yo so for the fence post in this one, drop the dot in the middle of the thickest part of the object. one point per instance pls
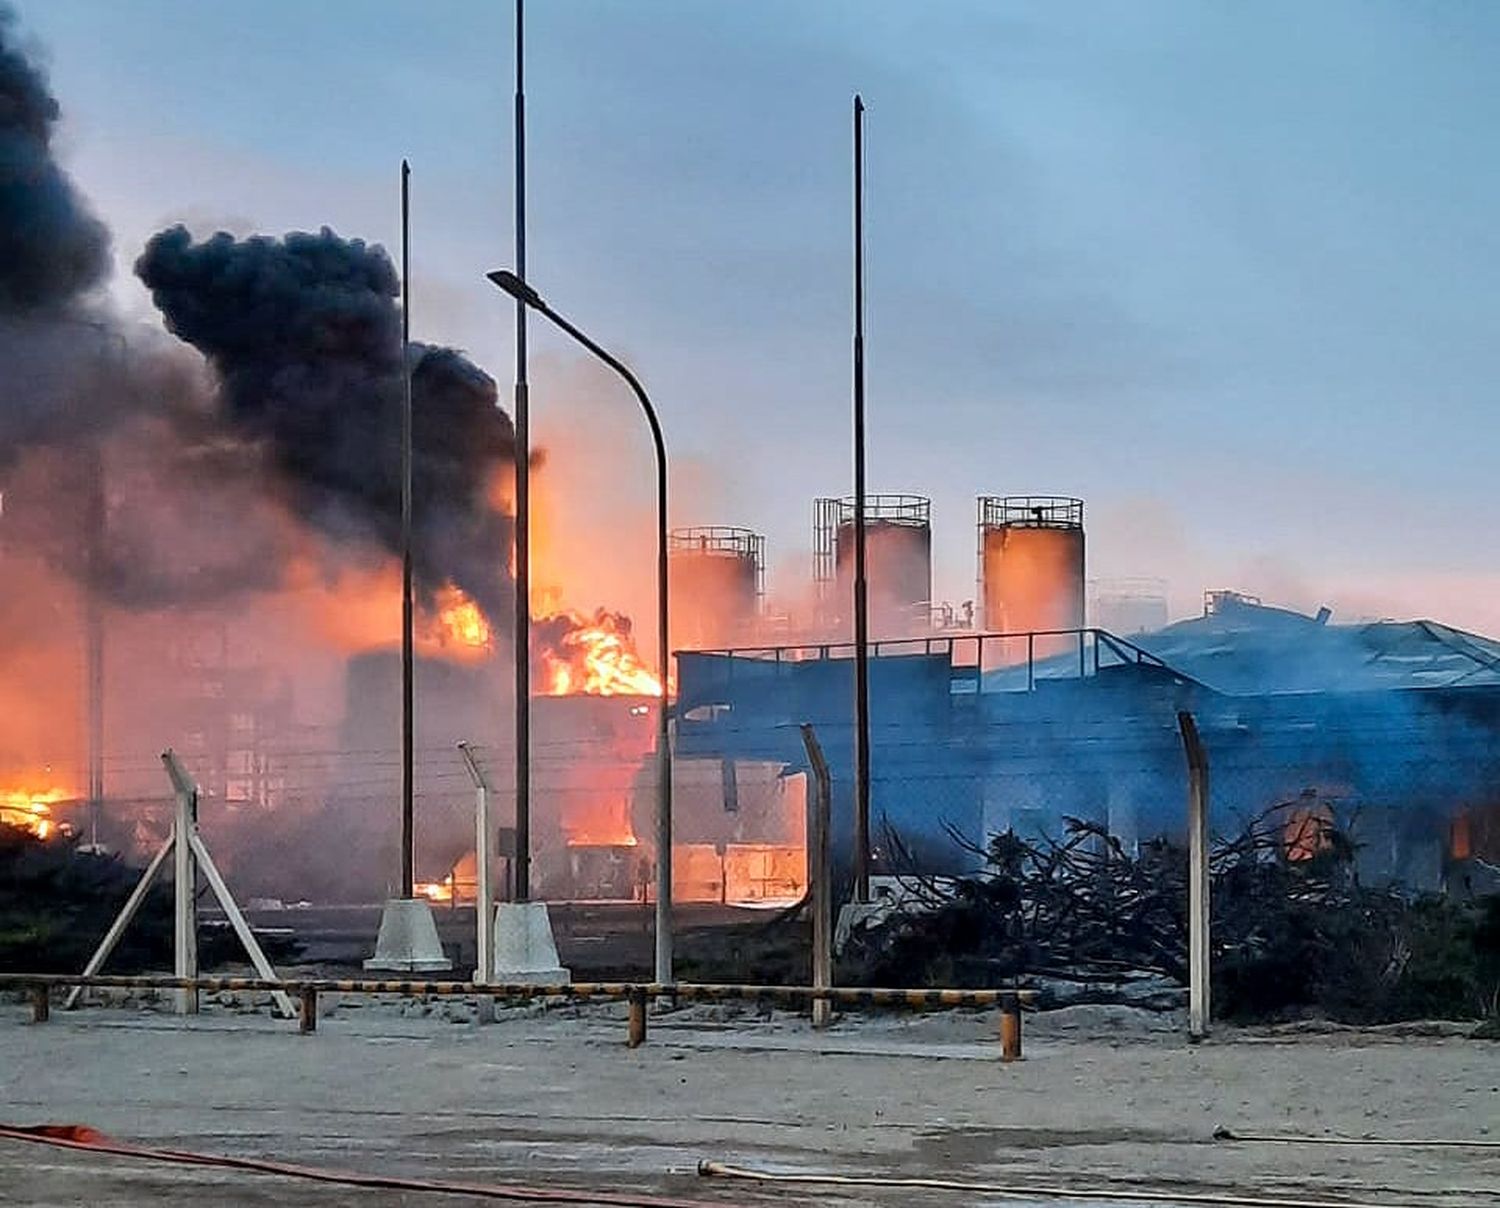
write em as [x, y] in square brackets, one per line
[41, 1004]
[819, 876]
[484, 893]
[185, 886]
[1200, 1009]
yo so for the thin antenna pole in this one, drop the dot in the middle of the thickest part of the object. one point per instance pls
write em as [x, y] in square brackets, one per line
[861, 587]
[523, 503]
[408, 873]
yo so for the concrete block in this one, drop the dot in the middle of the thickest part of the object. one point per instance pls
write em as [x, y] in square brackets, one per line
[408, 940]
[524, 948]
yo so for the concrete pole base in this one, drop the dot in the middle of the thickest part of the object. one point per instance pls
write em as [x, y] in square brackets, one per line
[408, 940]
[525, 950]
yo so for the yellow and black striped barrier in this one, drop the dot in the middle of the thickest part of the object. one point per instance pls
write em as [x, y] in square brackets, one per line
[636, 994]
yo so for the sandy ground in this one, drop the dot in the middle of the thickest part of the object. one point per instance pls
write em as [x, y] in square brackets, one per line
[553, 1097]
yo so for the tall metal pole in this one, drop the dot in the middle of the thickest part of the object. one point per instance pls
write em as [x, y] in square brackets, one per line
[663, 730]
[408, 864]
[94, 640]
[522, 292]
[861, 588]
[523, 506]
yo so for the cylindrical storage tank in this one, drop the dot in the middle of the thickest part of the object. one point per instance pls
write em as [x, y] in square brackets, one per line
[716, 576]
[1031, 565]
[1129, 606]
[898, 562]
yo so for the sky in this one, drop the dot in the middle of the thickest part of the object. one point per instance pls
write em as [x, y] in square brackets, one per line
[1224, 271]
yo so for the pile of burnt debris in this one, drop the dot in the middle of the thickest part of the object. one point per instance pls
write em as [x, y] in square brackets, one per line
[1083, 919]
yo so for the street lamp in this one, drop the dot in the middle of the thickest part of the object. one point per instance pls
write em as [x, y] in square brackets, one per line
[524, 294]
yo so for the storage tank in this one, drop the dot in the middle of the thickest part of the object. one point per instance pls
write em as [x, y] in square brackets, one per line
[898, 552]
[1129, 606]
[1031, 565]
[717, 578]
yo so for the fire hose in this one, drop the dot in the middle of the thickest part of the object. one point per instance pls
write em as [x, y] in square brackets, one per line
[1034, 1191]
[82, 1137]
[1228, 1134]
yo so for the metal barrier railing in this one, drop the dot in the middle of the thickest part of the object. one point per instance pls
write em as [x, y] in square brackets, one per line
[636, 994]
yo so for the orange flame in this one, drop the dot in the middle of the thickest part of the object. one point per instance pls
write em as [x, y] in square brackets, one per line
[594, 656]
[435, 891]
[31, 810]
[460, 626]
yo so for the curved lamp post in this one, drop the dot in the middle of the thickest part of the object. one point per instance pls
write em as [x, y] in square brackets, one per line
[524, 294]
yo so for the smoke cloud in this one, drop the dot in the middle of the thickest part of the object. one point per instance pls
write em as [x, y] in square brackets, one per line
[52, 249]
[304, 333]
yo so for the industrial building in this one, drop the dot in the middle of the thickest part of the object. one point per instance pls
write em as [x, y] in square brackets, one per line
[1392, 728]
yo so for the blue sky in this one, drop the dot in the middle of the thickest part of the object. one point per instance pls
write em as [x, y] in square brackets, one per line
[1226, 271]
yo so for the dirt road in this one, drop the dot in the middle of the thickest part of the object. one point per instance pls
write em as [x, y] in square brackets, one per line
[555, 1099]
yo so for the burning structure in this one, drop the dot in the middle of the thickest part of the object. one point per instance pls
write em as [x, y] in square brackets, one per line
[126, 456]
[1395, 727]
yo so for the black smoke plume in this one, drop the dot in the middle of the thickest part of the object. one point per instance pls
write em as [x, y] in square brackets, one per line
[53, 251]
[305, 335]
[51, 248]
[84, 411]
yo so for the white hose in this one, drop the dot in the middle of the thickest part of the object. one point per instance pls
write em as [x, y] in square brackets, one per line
[1227, 1134]
[1139, 1195]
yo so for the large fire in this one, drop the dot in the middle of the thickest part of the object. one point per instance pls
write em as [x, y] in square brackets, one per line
[31, 810]
[574, 654]
[594, 656]
[460, 624]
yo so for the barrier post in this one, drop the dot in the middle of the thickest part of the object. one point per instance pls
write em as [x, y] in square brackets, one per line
[637, 1033]
[41, 1004]
[307, 1020]
[1010, 1030]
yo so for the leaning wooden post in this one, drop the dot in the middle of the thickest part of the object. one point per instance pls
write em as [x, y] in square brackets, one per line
[1200, 1010]
[637, 1033]
[820, 876]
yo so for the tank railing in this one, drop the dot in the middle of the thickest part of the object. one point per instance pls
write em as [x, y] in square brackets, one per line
[716, 539]
[1048, 653]
[1030, 511]
[886, 509]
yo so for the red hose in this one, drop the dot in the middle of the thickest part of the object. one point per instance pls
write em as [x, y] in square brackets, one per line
[82, 1137]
